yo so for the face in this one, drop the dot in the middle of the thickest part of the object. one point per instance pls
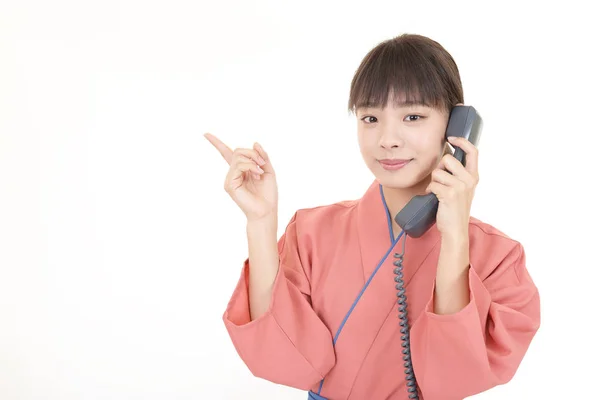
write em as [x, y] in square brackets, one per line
[402, 146]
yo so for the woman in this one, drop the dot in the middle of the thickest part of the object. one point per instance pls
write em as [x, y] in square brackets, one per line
[318, 309]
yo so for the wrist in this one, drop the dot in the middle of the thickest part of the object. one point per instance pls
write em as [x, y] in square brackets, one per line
[267, 223]
[456, 238]
[454, 254]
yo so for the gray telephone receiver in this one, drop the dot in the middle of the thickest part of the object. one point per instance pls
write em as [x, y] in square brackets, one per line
[420, 213]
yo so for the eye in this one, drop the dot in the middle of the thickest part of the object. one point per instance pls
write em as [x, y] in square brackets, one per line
[368, 116]
[412, 118]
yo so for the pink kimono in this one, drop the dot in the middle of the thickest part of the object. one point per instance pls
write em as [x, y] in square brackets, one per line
[332, 327]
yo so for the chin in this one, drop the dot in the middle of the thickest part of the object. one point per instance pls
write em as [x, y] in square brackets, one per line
[395, 182]
[398, 179]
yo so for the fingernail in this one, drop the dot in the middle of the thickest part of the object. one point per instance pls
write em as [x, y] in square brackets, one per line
[259, 169]
[261, 160]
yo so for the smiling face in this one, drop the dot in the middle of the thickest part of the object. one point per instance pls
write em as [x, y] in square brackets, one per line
[407, 67]
[401, 143]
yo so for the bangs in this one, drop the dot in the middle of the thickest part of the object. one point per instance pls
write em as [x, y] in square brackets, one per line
[405, 73]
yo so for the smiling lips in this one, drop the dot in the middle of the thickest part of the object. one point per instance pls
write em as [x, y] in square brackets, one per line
[393, 164]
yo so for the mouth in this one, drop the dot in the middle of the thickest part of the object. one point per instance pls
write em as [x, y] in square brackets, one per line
[393, 164]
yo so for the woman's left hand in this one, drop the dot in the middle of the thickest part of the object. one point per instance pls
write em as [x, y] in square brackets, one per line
[455, 189]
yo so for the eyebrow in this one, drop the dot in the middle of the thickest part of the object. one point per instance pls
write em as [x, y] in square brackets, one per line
[404, 104]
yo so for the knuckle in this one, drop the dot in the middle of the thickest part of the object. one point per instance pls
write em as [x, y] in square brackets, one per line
[239, 151]
[241, 159]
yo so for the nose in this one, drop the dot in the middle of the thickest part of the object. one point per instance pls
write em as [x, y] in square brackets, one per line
[391, 137]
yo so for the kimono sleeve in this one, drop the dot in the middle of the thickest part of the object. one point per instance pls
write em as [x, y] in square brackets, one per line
[481, 346]
[288, 344]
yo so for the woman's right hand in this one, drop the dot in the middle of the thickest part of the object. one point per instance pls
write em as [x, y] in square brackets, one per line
[250, 180]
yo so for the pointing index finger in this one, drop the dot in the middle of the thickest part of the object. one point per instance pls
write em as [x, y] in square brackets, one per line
[225, 151]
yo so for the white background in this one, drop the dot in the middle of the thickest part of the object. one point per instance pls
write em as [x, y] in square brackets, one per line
[119, 248]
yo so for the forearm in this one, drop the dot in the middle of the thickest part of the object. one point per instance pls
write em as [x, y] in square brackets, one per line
[269, 317]
[452, 278]
[264, 263]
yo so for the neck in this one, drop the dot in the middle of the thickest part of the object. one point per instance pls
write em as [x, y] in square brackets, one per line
[396, 199]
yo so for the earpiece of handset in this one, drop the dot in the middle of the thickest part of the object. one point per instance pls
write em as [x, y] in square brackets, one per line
[418, 215]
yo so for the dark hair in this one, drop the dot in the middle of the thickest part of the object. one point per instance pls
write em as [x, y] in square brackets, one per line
[414, 68]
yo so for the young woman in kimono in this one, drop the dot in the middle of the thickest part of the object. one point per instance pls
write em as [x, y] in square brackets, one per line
[317, 309]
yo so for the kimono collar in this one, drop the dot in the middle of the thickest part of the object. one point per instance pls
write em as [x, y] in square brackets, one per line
[376, 237]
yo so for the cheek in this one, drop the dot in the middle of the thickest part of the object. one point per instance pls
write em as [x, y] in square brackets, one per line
[429, 150]
[430, 142]
[427, 146]
[366, 143]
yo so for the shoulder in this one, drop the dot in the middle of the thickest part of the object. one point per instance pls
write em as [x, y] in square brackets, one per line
[490, 248]
[324, 220]
[326, 213]
[484, 234]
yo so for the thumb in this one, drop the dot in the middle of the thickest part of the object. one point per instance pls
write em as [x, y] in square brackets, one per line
[268, 167]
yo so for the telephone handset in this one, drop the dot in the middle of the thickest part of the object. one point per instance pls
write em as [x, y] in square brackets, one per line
[420, 213]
